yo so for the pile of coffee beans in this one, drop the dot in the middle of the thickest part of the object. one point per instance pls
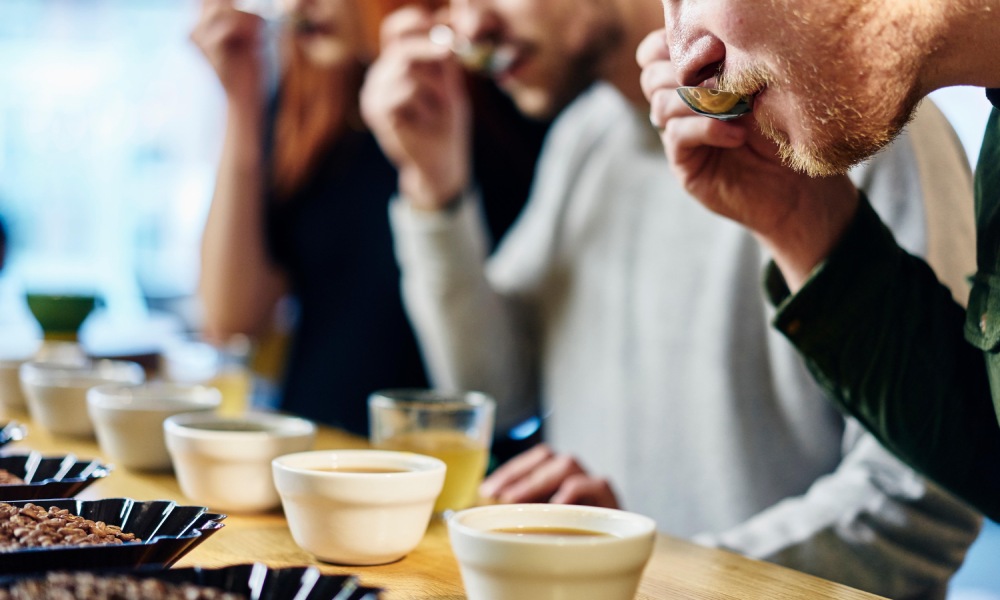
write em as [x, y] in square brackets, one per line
[31, 526]
[91, 586]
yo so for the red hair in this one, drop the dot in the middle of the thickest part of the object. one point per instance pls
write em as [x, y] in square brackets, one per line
[309, 120]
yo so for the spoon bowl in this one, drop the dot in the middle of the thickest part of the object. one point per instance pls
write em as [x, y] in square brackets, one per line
[479, 57]
[717, 104]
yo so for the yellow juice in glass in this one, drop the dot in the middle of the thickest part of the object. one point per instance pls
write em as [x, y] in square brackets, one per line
[234, 385]
[465, 458]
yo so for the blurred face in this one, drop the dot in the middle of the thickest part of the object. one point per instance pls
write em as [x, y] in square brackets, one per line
[834, 81]
[558, 46]
[328, 32]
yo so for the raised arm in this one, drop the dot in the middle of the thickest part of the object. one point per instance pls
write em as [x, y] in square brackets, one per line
[877, 329]
[239, 284]
[414, 100]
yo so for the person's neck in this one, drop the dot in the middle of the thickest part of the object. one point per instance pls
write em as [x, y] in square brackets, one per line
[966, 44]
[620, 69]
[339, 90]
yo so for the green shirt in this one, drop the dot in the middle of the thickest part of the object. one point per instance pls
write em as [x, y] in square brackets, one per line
[894, 350]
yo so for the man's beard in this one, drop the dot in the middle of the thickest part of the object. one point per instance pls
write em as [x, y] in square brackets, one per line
[575, 75]
[842, 139]
[839, 135]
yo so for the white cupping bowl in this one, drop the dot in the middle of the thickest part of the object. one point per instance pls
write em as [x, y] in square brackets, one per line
[358, 518]
[11, 397]
[128, 419]
[224, 462]
[56, 393]
[504, 566]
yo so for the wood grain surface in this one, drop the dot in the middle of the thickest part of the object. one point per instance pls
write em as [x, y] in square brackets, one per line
[678, 569]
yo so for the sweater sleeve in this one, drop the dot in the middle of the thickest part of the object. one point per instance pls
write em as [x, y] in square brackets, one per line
[873, 524]
[468, 332]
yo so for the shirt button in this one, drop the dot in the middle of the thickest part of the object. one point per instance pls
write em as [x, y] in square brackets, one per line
[983, 322]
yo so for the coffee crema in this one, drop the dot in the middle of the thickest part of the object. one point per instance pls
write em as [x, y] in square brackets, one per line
[551, 531]
[373, 470]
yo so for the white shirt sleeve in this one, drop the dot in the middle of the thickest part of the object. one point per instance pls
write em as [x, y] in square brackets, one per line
[469, 334]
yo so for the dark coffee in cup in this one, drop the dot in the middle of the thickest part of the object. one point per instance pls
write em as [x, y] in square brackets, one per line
[243, 426]
[374, 470]
[553, 531]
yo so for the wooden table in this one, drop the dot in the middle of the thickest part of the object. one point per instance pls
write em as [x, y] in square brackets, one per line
[678, 569]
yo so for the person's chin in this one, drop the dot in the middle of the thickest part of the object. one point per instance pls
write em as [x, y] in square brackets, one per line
[532, 101]
[324, 53]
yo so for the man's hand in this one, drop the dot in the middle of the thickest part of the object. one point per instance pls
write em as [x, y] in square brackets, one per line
[415, 101]
[540, 475]
[731, 168]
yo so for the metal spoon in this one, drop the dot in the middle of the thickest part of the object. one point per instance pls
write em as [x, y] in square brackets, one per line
[717, 104]
[480, 57]
[269, 10]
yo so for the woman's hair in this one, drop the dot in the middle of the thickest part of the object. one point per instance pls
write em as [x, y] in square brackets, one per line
[308, 120]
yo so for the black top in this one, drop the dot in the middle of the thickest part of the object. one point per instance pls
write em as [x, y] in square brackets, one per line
[993, 94]
[334, 241]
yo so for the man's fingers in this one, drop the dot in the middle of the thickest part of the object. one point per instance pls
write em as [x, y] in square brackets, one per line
[658, 76]
[652, 48]
[684, 136]
[407, 22]
[514, 469]
[583, 489]
[541, 483]
[411, 69]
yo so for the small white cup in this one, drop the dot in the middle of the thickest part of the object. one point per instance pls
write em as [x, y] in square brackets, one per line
[225, 462]
[358, 518]
[11, 397]
[128, 419]
[497, 565]
[56, 393]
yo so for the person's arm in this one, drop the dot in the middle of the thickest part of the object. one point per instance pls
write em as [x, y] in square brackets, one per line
[873, 524]
[415, 102]
[239, 284]
[471, 335]
[885, 339]
[877, 329]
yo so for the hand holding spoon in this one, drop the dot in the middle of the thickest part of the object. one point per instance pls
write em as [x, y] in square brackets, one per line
[717, 104]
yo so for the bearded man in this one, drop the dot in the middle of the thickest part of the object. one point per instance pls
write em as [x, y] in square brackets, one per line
[833, 83]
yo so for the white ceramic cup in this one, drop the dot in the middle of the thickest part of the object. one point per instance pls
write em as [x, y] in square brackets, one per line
[56, 393]
[506, 566]
[358, 518]
[11, 397]
[224, 462]
[128, 419]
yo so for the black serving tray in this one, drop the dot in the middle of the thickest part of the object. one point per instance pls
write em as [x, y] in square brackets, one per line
[168, 532]
[12, 432]
[49, 476]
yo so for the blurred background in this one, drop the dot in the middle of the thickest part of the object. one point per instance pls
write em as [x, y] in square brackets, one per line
[110, 128]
